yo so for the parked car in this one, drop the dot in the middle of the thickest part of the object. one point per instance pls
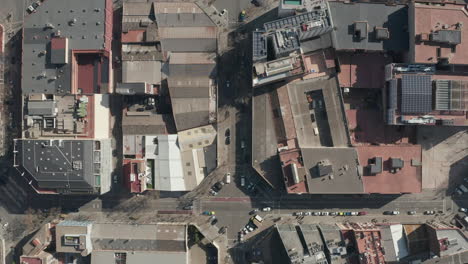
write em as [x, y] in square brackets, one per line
[333, 213]
[325, 213]
[30, 9]
[218, 186]
[429, 212]
[354, 213]
[341, 213]
[266, 209]
[316, 213]
[391, 213]
[227, 133]
[308, 213]
[222, 230]
[347, 213]
[411, 212]
[228, 140]
[188, 207]
[253, 211]
[362, 213]
[242, 181]
[464, 210]
[298, 213]
[212, 192]
[214, 221]
[227, 178]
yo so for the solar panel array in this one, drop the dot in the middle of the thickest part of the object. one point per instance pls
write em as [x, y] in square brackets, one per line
[293, 21]
[259, 45]
[416, 94]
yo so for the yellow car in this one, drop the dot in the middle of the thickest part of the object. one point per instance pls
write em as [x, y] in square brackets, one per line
[340, 213]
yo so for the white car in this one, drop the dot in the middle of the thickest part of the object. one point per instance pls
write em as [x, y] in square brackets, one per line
[308, 213]
[463, 210]
[242, 181]
[316, 213]
[354, 213]
[325, 213]
[266, 209]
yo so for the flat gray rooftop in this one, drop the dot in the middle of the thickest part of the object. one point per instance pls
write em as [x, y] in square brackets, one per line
[82, 22]
[345, 176]
[66, 164]
[302, 243]
[335, 116]
[392, 17]
[264, 148]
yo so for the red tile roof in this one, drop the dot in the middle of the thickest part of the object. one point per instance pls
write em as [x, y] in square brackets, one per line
[133, 36]
[429, 18]
[406, 180]
[31, 260]
[134, 186]
[367, 126]
[58, 43]
[362, 70]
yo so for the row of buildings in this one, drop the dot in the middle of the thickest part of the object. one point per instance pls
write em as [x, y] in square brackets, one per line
[79, 241]
[339, 87]
[165, 68]
[362, 243]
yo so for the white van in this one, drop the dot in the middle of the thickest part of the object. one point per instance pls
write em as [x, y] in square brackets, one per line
[316, 131]
[227, 179]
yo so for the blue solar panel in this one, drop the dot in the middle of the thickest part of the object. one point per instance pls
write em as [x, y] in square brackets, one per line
[416, 94]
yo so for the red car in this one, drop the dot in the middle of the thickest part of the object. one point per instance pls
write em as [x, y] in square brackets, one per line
[362, 213]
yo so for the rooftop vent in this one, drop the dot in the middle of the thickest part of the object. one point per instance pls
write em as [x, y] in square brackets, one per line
[382, 33]
[360, 30]
[396, 164]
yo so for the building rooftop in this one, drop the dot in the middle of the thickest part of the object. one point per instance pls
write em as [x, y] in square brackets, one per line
[58, 164]
[437, 33]
[138, 257]
[135, 123]
[394, 242]
[408, 179]
[83, 26]
[345, 176]
[265, 154]
[369, 26]
[64, 165]
[329, 114]
[450, 240]
[193, 102]
[141, 71]
[302, 243]
[362, 70]
[367, 241]
[184, 27]
[168, 166]
[138, 23]
[66, 116]
[334, 243]
[107, 241]
[421, 94]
